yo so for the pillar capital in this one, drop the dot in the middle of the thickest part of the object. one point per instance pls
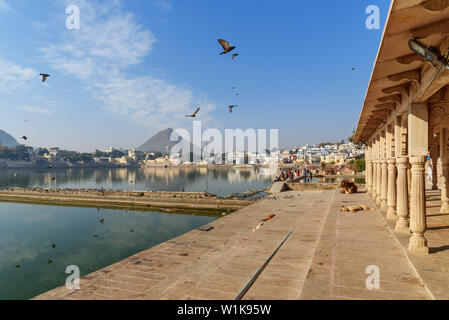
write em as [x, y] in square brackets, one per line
[402, 161]
[391, 161]
[417, 162]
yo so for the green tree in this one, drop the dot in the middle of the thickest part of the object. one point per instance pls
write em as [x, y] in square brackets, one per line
[360, 165]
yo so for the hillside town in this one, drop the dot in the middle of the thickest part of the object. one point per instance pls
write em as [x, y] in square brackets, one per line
[313, 155]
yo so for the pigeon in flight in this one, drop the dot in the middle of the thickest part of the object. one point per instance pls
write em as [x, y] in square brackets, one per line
[44, 76]
[194, 114]
[226, 46]
[24, 138]
[234, 55]
[231, 107]
[352, 68]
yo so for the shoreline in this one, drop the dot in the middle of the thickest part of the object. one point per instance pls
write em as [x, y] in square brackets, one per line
[167, 202]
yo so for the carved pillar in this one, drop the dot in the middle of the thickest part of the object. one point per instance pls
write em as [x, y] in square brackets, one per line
[368, 175]
[379, 173]
[374, 179]
[384, 173]
[418, 149]
[445, 171]
[418, 242]
[391, 199]
[434, 174]
[402, 225]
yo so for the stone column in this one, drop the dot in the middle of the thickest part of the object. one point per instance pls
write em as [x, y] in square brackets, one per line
[418, 148]
[368, 183]
[434, 174]
[384, 186]
[445, 171]
[418, 242]
[374, 179]
[379, 172]
[402, 225]
[391, 199]
[384, 171]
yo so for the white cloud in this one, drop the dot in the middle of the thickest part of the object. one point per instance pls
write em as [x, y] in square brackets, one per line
[5, 6]
[15, 76]
[34, 109]
[100, 53]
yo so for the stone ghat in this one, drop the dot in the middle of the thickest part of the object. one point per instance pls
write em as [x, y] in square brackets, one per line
[180, 202]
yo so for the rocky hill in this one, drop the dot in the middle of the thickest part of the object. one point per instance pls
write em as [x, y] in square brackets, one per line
[6, 140]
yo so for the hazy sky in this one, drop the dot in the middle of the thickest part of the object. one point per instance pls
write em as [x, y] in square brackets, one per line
[135, 67]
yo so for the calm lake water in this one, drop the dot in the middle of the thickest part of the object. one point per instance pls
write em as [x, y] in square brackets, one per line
[29, 265]
[220, 181]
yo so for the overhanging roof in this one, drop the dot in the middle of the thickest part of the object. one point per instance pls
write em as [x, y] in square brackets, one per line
[397, 69]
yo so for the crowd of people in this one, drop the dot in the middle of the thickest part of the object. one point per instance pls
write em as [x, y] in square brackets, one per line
[290, 175]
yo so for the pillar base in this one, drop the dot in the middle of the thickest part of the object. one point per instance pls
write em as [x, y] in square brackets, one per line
[402, 229]
[444, 208]
[378, 201]
[391, 214]
[418, 244]
[383, 205]
[434, 187]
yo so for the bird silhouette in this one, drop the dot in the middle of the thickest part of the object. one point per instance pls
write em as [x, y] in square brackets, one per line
[102, 221]
[235, 55]
[194, 114]
[226, 46]
[24, 138]
[44, 76]
[352, 68]
[231, 107]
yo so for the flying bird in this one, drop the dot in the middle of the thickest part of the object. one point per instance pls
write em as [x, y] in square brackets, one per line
[194, 114]
[44, 76]
[231, 107]
[24, 138]
[352, 68]
[226, 46]
[234, 55]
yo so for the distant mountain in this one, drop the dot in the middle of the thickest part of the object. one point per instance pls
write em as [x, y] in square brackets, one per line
[6, 140]
[159, 142]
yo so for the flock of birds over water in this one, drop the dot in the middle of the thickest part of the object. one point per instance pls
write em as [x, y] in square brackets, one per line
[227, 47]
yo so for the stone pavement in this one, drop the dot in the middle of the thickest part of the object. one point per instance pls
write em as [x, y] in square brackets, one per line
[325, 258]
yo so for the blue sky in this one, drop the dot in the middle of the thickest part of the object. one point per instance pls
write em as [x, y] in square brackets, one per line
[135, 67]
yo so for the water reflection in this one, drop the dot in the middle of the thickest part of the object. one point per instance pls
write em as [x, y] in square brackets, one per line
[221, 181]
[84, 237]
